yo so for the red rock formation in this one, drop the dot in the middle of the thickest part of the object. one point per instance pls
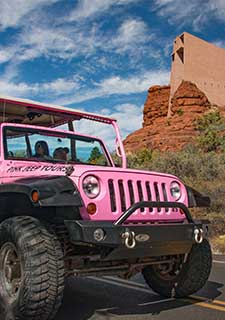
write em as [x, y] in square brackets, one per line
[190, 99]
[156, 105]
[177, 131]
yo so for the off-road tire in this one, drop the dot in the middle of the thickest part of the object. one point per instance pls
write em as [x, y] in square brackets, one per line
[191, 278]
[41, 291]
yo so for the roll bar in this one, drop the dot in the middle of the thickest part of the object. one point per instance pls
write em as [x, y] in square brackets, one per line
[24, 111]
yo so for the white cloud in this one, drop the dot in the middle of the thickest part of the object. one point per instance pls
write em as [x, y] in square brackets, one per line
[87, 8]
[220, 44]
[16, 89]
[133, 34]
[57, 42]
[133, 84]
[42, 36]
[68, 91]
[218, 6]
[65, 41]
[119, 86]
[190, 11]
[131, 30]
[129, 118]
[58, 87]
[51, 42]
[14, 11]
[5, 55]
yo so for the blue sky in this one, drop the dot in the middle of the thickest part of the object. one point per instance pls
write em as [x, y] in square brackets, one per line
[98, 55]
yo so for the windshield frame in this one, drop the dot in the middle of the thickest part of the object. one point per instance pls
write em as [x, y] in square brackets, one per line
[50, 131]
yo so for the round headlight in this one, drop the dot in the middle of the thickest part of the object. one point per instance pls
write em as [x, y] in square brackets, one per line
[91, 186]
[175, 190]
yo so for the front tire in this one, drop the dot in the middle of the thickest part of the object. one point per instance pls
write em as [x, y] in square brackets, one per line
[31, 269]
[182, 278]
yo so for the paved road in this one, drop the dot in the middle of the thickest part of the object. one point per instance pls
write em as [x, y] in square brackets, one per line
[112, 298]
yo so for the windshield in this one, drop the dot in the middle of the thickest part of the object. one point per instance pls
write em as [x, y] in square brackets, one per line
[36, 145]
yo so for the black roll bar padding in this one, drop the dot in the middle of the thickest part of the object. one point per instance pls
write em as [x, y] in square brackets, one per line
[153, 204]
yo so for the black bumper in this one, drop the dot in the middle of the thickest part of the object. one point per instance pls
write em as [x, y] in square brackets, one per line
[145, 240]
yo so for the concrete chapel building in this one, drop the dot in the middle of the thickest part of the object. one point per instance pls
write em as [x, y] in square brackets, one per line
[200, 62]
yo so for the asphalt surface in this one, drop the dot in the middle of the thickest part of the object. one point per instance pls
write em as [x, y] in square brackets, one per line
[112, 298]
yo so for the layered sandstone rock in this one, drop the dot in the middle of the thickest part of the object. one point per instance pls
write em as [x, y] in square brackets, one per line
[174, 132]
[190, 99]
[156, 105]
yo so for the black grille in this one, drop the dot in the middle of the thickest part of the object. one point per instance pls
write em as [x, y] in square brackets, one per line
[131, 191]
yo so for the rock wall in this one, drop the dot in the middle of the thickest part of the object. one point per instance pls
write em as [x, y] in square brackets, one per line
[190, 99]
[156, 105]
[177, 131]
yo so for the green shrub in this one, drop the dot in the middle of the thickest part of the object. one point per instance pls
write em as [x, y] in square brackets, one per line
[210, 126]
[210, 141]
[140, 159]
[180, 112]
[210, 119]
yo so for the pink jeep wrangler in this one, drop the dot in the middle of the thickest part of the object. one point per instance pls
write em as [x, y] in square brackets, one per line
[67, 210]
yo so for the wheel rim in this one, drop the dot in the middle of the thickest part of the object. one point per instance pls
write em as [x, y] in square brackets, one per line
[10, 271]
[169, 271]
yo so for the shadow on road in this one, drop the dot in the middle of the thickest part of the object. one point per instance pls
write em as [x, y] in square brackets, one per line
[211, 290]
[89, 299]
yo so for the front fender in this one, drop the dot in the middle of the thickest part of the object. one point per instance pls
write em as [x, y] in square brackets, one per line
[196, 199]
[57, 191]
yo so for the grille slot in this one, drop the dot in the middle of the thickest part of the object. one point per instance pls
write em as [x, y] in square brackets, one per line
[131, 192]
[165, 197]
[157, 195]
[147, 185]
[140, 193]
[149, 195]
[112, 195]
[122, 195]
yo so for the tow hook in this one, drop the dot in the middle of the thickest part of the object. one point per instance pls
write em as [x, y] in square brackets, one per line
[129, 237]
[198, 235]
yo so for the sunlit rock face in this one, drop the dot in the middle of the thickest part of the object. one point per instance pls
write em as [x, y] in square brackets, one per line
[175, 131]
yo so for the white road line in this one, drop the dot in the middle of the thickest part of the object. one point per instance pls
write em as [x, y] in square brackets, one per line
[127, 286]
[141, 288]
[219, 261]
[133, 283]
[155, 302]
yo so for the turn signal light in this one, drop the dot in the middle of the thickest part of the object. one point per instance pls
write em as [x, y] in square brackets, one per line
[91, 208]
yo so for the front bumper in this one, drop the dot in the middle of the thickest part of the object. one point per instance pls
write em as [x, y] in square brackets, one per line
[139, 240]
